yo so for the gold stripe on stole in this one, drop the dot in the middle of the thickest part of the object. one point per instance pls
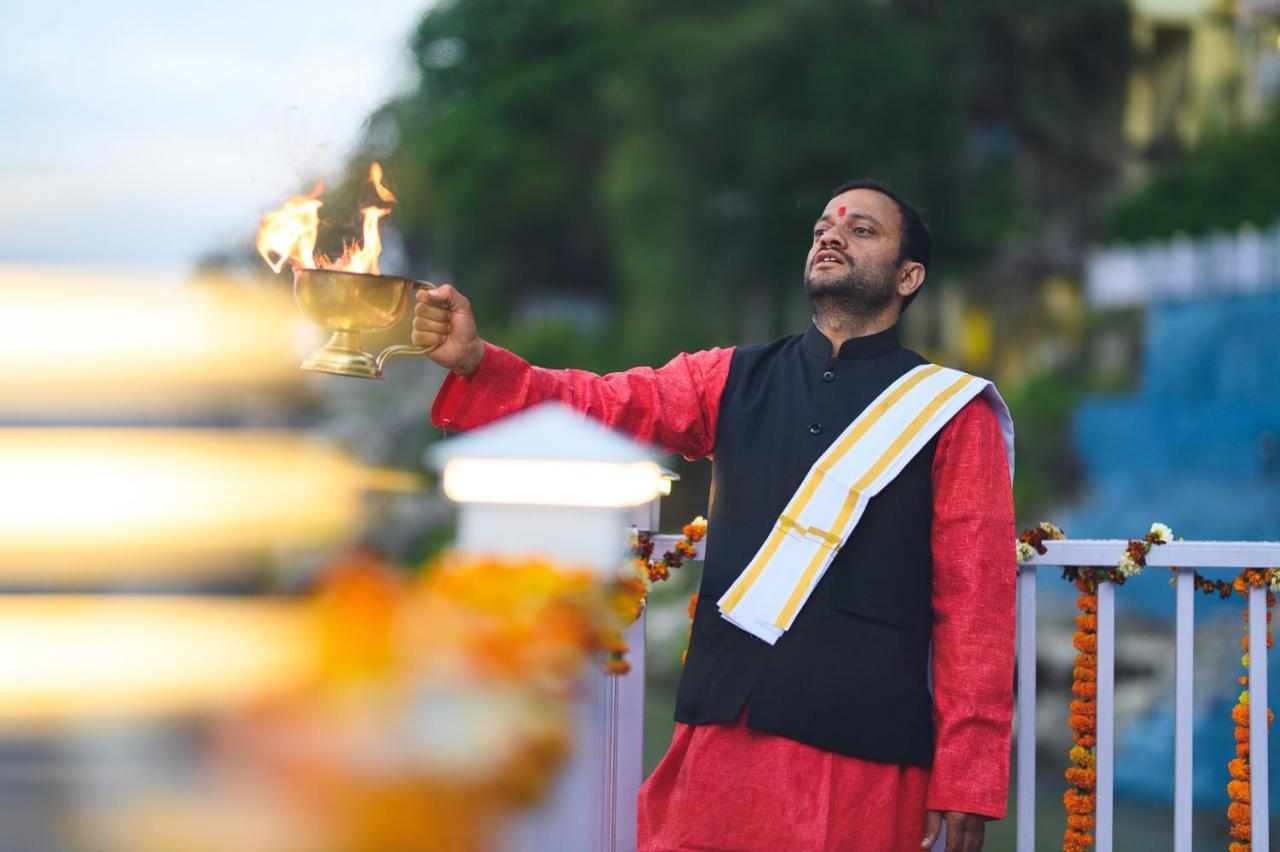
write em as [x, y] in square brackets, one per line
[810, 485]
[855, 493]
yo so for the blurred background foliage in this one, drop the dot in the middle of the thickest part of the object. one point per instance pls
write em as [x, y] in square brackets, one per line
[1229, 180]
[651, 159]
[611, 183]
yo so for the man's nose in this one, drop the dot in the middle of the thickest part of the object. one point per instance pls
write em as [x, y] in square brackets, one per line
[830, 239]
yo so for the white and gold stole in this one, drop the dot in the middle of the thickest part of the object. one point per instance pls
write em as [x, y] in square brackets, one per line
[819, 518]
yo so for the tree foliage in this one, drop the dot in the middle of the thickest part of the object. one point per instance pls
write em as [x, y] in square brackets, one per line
[669, 158]
[1229, 180]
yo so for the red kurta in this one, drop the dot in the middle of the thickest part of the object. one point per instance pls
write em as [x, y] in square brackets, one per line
[727, 787]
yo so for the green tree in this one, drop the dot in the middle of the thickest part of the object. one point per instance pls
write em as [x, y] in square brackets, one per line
[669, 158]
[1229, 180]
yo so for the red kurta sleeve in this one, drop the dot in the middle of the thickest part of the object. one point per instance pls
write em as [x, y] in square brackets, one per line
[674, 407]
[974, 574]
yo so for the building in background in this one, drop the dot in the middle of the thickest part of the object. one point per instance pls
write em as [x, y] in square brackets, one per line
[1197, 64]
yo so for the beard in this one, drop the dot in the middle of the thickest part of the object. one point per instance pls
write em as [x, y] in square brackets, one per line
[855, 290]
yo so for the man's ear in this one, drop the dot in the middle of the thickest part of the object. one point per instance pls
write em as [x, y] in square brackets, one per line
[910, 278]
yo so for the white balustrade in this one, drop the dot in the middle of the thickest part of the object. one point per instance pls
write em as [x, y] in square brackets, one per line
[1186, 555]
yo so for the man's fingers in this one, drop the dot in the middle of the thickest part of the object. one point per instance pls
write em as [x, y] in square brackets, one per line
[964, 832]
[932, 825]
[427, 310]
[444, 296]
[426, 338]
[426, 324]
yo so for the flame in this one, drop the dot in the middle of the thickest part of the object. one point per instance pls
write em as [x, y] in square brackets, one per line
[375, 177]
[288, 234]
[364, 257]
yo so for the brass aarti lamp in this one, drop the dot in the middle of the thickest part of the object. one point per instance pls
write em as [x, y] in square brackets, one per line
[349, 304]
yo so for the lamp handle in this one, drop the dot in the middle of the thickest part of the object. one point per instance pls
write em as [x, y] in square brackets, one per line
[403, 348]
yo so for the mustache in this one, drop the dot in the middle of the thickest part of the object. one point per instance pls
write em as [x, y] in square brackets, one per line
[848, 261]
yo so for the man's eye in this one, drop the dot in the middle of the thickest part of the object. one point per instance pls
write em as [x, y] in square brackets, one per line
[862, 230]
[817, 232]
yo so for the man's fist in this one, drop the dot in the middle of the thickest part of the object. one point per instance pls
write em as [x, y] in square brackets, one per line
[442, 319]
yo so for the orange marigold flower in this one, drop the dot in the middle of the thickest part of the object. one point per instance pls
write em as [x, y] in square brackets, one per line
[1086, 740]
[1087, 603]
[1085, 689]
[1084, 673]
[1238, 790]
[1239, 768]
[1238, 847]
[1238, 812]
[1240, 715]
[1086, 642]
[1087, 622]
[1082, 778]
[1242, 749]
[1084, 708]
[1080, 821]
[1241, 832]
[1081, 724]
[1242, 734]
[1076, 840]
[1077, 802]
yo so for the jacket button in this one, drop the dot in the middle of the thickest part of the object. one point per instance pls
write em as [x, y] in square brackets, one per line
[815, 428]
[828, 376]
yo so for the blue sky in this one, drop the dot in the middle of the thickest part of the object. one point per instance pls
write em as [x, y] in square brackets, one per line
[142, 134]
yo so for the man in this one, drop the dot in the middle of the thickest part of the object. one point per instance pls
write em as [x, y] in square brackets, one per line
[883, 709]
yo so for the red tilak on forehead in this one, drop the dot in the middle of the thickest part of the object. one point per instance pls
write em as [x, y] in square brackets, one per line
[840, 212]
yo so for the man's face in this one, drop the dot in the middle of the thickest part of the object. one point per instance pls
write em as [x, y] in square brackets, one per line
[853, 260]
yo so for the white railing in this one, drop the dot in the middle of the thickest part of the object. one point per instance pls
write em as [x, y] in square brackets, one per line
[1187, 556]
[1183, 267]
[626, 700]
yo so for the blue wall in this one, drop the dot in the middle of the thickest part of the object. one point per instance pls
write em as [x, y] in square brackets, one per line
[1196, 447]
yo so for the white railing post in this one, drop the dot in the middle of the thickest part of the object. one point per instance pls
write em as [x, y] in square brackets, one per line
[1258, 792]
[1026, 710]
[628, 741]
[1184, 644]
[1105, 713]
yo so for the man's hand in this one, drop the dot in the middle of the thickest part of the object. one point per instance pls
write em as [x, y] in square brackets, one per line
[964, 831]
[442, 319]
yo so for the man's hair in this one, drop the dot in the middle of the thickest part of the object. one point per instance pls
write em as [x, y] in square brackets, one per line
[917, 240]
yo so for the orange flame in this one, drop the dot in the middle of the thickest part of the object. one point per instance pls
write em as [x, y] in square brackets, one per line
[375, 177]
[288, 234]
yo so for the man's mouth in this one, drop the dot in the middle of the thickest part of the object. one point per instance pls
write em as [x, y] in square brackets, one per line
[827, 258]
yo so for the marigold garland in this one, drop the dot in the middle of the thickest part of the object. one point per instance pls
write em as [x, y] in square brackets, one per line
[1079, 799]
[630, 594]
[1238, 787]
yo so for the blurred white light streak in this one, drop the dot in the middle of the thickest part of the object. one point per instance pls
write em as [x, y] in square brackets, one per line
[80, 504]
[78, 657]
[84, 341]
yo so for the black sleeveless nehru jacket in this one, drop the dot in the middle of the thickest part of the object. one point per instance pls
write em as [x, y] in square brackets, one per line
[851, 675]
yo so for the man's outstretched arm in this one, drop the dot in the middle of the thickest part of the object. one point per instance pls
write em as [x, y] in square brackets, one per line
[974, 570]
[674, 407]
